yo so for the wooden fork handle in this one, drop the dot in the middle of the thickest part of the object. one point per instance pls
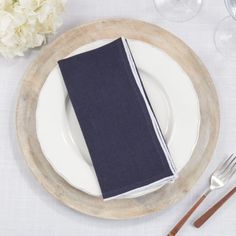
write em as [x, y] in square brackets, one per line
[201, 220]
[179, 225]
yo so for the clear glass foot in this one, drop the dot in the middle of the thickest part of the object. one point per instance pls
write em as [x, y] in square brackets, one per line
[225, 37]
[178, 10]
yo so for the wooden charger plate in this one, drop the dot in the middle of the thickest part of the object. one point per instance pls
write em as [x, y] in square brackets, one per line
[124, 208]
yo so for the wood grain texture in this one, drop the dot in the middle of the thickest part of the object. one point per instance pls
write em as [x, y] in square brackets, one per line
[109, 29]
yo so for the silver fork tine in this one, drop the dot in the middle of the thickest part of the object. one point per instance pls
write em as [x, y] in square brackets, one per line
[231, 160]
[230, 173]
[219, 178]
[228, 167]
[224, 164]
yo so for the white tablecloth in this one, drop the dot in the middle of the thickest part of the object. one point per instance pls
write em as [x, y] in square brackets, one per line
[27, 209]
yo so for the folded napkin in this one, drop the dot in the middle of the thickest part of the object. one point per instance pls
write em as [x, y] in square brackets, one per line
[125, 142]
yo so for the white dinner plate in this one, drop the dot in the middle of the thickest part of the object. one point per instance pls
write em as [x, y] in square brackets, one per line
[172, 97]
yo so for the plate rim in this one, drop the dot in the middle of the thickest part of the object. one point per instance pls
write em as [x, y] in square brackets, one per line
[125, 208]
[43, 108]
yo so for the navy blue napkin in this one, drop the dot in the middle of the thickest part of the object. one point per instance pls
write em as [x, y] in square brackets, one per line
[123, 137]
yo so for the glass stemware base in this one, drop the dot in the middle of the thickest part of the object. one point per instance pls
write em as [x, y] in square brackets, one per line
[178, 10]
[225, 37]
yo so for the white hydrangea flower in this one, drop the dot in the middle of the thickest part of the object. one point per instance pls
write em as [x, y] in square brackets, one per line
[24, 24]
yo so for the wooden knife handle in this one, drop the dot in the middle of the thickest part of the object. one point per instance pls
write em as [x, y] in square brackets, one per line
[201, 220]
[179, 225]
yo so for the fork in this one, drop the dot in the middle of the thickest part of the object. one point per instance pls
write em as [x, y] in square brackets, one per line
[219, 178]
